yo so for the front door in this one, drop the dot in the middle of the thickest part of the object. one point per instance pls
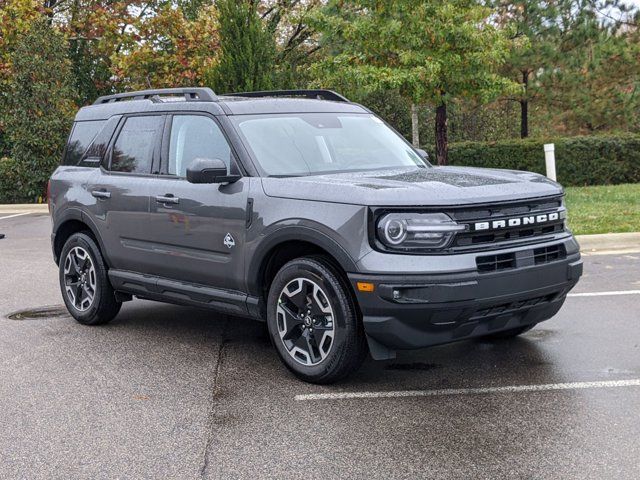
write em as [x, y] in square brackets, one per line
[198, 230]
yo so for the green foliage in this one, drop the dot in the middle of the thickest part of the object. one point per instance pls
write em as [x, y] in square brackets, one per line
[430, 52]
[423, 49]
[248, 49]
[578, 62]
[594, 160]
[39, 109]
[14, 182]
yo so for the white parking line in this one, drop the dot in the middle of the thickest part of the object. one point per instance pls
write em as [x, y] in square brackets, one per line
[604, 294]
[469, 391]
[15, 215]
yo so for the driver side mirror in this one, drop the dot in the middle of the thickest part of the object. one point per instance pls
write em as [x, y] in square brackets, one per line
[423, 153]
[209, 170]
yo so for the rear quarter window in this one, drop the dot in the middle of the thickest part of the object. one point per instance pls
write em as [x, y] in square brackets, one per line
[82, 135]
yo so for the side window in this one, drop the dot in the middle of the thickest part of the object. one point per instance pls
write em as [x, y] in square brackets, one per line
[136, 142]
[195, 136]
[81, 137]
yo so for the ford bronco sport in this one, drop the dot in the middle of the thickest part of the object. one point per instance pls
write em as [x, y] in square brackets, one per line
[305, 210]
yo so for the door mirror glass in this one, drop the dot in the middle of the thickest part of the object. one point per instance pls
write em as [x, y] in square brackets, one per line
[209, 170]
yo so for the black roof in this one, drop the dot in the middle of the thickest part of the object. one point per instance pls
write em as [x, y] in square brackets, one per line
[205, 100]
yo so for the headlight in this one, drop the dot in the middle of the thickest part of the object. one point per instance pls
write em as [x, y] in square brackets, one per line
[414, 231]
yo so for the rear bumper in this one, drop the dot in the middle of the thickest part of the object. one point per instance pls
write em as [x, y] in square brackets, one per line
[414, 311]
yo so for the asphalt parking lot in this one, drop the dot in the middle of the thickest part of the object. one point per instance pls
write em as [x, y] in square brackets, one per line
[173, 392]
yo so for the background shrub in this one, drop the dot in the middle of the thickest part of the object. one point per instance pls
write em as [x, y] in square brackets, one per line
[594, 160]
[37, 113]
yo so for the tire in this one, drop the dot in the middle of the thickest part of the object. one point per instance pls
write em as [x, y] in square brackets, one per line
[511, 333]
[84, 283]
[313, 321]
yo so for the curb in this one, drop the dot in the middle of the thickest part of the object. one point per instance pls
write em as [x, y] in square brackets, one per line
[25, 208]
[604, 243]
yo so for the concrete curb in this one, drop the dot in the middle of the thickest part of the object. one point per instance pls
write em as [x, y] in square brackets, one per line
[604, 243]
[25, 208]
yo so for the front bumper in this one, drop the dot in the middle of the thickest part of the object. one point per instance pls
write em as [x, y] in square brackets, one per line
[414, 311]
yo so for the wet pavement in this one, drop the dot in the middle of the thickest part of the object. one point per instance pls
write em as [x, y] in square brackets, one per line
[173, 392]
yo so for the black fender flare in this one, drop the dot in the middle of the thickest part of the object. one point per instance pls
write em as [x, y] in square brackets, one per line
[294, 233]
[77, 214]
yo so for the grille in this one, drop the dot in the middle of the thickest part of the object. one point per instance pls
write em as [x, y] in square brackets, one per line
[513, 306]
[470, 239]
[493, 263]
[549, 254]
[505, 261]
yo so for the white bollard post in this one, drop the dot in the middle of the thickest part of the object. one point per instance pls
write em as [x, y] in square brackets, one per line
[550, 160]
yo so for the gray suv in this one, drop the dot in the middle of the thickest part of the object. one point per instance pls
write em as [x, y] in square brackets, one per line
[307, 211]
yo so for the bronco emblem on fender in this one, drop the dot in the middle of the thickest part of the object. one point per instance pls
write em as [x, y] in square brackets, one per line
[229, 241]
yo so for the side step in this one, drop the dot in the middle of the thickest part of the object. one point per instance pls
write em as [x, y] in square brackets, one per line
[182, 293]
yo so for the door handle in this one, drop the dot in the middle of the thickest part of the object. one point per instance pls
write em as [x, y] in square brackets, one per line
[167, 199]
[101, 193]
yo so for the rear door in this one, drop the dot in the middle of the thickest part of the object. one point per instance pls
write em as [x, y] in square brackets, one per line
[198, 230]
[120, 189]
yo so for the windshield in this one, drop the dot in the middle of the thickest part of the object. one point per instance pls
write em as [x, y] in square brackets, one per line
[311, 143]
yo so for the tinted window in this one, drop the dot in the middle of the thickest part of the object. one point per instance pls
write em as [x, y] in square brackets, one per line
[81, 137]
[195, 136]
[133, 149]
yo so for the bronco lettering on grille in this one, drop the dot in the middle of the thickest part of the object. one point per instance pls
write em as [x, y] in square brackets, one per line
[517, 221]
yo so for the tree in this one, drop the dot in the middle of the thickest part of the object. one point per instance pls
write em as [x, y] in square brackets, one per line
[247, 47]
[594, 84]
[575, 58]
[296, 45]
[40, 104]
[16, 17]
[431, 52]
[168, 50]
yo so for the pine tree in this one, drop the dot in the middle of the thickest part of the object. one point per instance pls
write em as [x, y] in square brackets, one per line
[248, 49]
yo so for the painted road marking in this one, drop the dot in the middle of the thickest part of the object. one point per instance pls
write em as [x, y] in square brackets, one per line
[470, 391]
[604, 294]
[15, 215]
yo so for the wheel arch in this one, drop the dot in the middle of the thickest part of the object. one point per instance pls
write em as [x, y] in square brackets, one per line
[285, 245]
[74, 221]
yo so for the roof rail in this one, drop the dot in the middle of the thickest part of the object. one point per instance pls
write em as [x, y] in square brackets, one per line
[190, 94]
[316, 94]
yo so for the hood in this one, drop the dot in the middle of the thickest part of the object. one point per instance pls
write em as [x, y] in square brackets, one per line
[414, 187]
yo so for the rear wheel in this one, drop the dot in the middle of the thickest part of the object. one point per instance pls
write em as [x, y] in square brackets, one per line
[84, 283]
[507, 334]
[313, 322]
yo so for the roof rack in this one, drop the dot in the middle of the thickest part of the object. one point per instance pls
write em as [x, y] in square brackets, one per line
[319, 94]
[190, 95]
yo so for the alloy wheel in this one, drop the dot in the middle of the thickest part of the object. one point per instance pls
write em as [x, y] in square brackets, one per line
[305, 321]
[79, 279]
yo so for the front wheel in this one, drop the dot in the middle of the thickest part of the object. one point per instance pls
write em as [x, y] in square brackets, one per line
[85, 285]
[313, 322]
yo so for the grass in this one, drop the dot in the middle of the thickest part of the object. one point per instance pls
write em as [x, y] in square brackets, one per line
[604, 209]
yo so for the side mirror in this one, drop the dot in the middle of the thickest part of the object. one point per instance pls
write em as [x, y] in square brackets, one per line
[422, 153]
[209, 170]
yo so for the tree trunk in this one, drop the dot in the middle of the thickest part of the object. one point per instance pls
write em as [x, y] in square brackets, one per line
[442, 145]
[415, 128]
[524, 106]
